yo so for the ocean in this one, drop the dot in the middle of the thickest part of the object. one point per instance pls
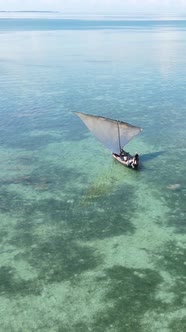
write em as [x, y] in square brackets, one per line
[87, 244]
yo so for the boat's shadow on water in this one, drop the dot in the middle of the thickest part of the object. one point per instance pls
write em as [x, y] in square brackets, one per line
[149, 156]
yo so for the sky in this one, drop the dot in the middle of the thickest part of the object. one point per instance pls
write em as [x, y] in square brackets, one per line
[134, 7]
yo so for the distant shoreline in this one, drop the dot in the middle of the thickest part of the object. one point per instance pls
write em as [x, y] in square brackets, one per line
[29, 11]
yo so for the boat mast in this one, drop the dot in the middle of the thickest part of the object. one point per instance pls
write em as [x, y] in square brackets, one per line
[119, 136]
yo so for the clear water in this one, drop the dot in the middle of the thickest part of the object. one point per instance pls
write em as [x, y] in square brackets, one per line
[85, 243]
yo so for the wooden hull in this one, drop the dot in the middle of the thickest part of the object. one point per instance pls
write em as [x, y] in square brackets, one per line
[128, 163]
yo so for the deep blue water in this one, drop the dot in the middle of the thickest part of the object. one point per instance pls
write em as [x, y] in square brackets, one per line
[32, 24]
[85, 243]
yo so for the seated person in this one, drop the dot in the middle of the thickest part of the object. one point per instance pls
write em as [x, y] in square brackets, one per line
[124, 154]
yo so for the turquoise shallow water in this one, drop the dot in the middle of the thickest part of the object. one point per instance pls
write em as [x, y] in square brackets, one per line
[86, 244]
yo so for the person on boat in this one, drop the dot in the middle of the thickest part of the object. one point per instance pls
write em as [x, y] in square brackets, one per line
[124, 155]
[136, 157]
[122, 152]
[135, 161]
[130, 162]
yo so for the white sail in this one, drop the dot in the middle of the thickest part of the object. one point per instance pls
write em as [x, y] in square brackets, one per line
[112, 134]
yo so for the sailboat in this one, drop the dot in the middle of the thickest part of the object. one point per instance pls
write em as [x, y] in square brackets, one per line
[114, 135]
